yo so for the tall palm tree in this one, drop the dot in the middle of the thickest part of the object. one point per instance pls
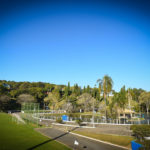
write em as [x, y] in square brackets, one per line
[106, 85]
[107, 88]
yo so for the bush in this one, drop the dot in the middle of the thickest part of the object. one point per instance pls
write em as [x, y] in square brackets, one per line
[59, 120]
[141, 131]
[79, 122]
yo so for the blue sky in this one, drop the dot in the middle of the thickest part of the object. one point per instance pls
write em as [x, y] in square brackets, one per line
[76, 41]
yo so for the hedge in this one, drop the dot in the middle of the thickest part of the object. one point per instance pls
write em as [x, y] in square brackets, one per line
[141, 131]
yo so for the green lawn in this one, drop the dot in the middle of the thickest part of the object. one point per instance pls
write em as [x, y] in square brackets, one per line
[15, 136]
[115, 139]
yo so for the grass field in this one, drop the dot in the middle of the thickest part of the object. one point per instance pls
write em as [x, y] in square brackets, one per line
[115, 139]
[15, 136]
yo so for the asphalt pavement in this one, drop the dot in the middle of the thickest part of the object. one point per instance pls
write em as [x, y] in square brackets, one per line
[82, 143]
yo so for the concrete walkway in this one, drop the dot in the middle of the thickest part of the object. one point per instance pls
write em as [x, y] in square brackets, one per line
[69, 139]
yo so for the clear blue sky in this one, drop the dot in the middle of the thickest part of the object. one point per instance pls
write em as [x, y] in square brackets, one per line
[76, 41]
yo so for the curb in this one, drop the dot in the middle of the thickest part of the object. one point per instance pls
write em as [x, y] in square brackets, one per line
[68, 125]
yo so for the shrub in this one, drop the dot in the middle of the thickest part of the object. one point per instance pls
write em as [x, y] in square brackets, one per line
[59, 120]
[79, 122]
[141, 131]
[70, 115]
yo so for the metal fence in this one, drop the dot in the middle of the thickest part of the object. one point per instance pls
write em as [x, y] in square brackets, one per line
[89, 119]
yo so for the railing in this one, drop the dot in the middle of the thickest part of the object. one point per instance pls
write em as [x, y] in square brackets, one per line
[97, 120]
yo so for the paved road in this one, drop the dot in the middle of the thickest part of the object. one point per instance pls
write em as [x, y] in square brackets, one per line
[68, 139]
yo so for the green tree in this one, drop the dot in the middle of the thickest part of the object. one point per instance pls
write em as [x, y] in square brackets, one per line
[13, 94]
[25, 98]
[145, 99]
[52, 99]
[84, 90]
[122, 97]
[76, 90]
[136, 93]
[86, 102]
[4, 102]
[119, 100]
[3, 89]
[95, 93]
[135, 96]
[67, 90]
[106, 85]
[115, 104]
[88, 89]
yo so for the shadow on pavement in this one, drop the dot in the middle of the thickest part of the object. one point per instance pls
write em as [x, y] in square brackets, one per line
[52, 139]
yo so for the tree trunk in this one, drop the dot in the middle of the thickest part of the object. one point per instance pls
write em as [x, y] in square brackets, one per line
[140, 111]
[105, 108]
[147, 114]
[124, 117]
[147, 110]
[118, 116]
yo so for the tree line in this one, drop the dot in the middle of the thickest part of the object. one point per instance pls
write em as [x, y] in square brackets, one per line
[101, 97]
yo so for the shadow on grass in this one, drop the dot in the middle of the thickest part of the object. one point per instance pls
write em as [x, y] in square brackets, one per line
[52, 139]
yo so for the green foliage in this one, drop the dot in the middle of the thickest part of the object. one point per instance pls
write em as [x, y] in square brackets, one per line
[77, 90]
[136, 93]
[107, 84]
[4, 102]
[37, 89]
[118, 102]
[88, 89]
[95, 93]
[59, 120]
[52, 99]
[67, 90]
[141, 131]
[84, 90]
[120, 98]
[79, 122]
[145, 99]
[86, 101]
[100, 83]
[67, 94]
[14, 93]
[3, 89]
[25, 98]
